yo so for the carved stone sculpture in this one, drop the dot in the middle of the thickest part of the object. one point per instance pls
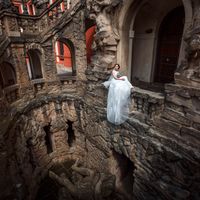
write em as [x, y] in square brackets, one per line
[86, 183]
[106, 37]
[189, 72]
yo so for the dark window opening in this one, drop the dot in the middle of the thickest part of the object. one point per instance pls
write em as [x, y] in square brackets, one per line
[35, 64]
[70, 132]
[48, 139]
[124, 172]
[29, 144]
[7, 75]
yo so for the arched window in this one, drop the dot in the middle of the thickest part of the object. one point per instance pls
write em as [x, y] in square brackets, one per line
[89, 40]
[34, 64]
[65, 57]
[7, 75]
[19, 6]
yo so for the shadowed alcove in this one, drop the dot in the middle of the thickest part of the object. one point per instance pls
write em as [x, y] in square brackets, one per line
[123, 168]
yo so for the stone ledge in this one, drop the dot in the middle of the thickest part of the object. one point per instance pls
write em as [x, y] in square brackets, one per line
[11, 88]
[66, 77]
[38, 81]
[152, 97]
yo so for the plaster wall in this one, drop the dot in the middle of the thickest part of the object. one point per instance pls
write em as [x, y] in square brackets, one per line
[139, 24]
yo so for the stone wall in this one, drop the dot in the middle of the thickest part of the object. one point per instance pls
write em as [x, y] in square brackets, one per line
[162, 142]
[25, 151]
[165, 168]
[160, 139]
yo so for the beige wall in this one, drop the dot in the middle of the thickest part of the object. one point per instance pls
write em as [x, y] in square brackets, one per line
[137, 49]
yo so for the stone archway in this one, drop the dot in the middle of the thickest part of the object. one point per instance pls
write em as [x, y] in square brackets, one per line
[129, 19]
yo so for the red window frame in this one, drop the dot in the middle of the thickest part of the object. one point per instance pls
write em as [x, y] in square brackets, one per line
[19, 6]
[63, 54]
[62, 7]
[30, 8]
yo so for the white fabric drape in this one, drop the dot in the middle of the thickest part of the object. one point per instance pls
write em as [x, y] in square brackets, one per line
[118, 98]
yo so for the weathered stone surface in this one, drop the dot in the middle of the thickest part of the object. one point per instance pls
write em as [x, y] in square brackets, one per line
[49, 121]
[176, 117]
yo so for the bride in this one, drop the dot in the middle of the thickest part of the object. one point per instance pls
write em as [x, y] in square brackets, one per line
[118, 97]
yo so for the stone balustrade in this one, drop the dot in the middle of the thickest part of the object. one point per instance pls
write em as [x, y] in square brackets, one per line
[38, 86]
[17, 25]
[68, 83]
[147, 103]
[11, 93]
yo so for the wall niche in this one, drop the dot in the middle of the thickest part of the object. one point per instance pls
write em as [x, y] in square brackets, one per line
[123, 168]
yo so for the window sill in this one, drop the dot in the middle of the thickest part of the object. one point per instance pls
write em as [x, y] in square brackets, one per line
[37, 81]
[65, 77]
[11, 88]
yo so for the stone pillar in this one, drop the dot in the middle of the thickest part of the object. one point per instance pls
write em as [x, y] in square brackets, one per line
[131, 37]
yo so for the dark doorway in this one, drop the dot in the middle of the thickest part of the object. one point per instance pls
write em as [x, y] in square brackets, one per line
[48, 140]
[70, 132]
[169, 41]
[123, 169]
[7, 75]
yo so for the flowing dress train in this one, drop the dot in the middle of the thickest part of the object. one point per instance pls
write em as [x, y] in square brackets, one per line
[118, 98]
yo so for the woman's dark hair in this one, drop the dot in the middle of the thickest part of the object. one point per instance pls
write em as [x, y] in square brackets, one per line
[116, 65]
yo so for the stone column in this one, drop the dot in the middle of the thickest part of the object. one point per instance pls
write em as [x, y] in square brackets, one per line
[131, 38]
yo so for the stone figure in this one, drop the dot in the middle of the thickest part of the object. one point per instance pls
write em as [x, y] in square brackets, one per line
[86, 184]
[106, 37]
[189, 74]
[194, 46]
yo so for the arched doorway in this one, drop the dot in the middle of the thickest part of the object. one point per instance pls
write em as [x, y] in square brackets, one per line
[7, 75]
[139, 22]
[33, 62]
[154, 25]
[169, 42]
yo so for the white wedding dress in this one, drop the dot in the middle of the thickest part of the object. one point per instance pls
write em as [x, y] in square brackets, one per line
[118, 98]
